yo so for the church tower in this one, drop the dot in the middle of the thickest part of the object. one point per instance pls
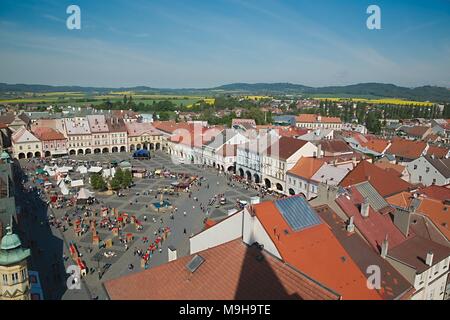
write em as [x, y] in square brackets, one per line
[14, 282]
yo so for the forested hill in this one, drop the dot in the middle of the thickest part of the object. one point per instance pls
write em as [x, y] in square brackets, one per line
[381, 90]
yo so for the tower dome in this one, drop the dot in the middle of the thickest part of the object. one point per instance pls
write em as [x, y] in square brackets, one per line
[10, 240]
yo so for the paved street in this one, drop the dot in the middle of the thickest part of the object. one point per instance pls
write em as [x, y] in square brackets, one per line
[137, 204]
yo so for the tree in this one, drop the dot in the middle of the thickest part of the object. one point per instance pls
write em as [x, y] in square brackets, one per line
[127, 179]
[115, 184]
[97, 182]
[372, 122]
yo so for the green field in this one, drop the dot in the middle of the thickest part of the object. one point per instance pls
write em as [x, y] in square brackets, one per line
[79, 98]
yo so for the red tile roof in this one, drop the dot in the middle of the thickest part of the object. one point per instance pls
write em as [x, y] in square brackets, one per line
[414, 252]
[406, 148]
[436, 192]
[438, 152]
[438, 213]
[316, 252]
[376, 144]
[285, 147]
[375, 227]
[171, 126]
[231, 271]
[394, 285]
[306, 167]
[396, 168]
[402, 199]
[384, 182]
[335, 146]
[47, 134]
[313, 118]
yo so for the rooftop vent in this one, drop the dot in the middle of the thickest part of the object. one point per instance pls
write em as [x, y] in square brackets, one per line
[195, 263]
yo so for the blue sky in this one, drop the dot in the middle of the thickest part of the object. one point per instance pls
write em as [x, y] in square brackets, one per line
[204, 43]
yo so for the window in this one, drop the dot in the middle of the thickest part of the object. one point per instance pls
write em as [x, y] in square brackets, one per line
[15, 278]
[420, 178]
[427, 170]
[415, 167]
[24, 274]
[5, 279]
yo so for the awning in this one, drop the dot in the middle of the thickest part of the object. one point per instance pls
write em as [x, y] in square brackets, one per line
[95, 169]
[77, 183]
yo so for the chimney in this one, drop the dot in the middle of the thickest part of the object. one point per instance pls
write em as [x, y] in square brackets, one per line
[384, 247]
[319, 151]
[365, 208]
[351, 226]
[172, 253]
[429, 260]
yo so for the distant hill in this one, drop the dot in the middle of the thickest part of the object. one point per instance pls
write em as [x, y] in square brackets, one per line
[265, 87]
[381, 90]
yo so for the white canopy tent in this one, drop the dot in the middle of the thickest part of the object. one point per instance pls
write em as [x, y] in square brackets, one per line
[63, 187]
[82, 169]
[84, 194]
[95, 169]
[109, 173]
[64, 169]
[77, 183]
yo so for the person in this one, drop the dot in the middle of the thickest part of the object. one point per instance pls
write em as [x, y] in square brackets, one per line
[184, 231]
[184, 213]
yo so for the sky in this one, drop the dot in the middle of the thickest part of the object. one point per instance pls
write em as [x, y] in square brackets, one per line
[207, 43]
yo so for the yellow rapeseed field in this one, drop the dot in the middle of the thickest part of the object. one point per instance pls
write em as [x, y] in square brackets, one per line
[381, 101]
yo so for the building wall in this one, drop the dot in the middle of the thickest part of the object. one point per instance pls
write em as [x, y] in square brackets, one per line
[275, 169]
[421, 171]
[21, 283]
[431, 284]
[301, 186]
[26, 147]
[225, 231]
[319, 125]
[55, 147]
[253, 231]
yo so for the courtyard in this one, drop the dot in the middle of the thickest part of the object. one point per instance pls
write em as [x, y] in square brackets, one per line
[187, 219]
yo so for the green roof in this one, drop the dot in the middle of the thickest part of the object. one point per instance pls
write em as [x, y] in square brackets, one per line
[11, 249]
[13, 256]
[10, 241]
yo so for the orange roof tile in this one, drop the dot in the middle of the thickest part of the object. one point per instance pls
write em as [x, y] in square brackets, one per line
[390, 166]
[47, 134]
[316, 252]
[306, 167]
[436, 192]
[407, 148]
[375, 144]
[231, 271]
[383, 181]
[438, 152]
[402, 199]
[438, 212]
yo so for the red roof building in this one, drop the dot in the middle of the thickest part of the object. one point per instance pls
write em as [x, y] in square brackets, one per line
[315, 251]
[386, 183]
[231, 271]
[407, 150]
